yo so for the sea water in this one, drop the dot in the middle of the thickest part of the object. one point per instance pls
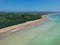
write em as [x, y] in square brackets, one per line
[47, 33]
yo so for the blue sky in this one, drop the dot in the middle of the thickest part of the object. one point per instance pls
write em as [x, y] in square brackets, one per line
[29, 5]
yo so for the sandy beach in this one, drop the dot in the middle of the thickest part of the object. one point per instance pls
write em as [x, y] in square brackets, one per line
[9, 30]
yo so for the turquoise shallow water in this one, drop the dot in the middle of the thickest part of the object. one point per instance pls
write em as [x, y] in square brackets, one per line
[47, 33]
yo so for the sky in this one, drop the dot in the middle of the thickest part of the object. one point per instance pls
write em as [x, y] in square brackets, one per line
[29, 5]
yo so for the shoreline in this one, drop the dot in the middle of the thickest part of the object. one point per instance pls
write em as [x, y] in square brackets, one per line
[9, 30]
